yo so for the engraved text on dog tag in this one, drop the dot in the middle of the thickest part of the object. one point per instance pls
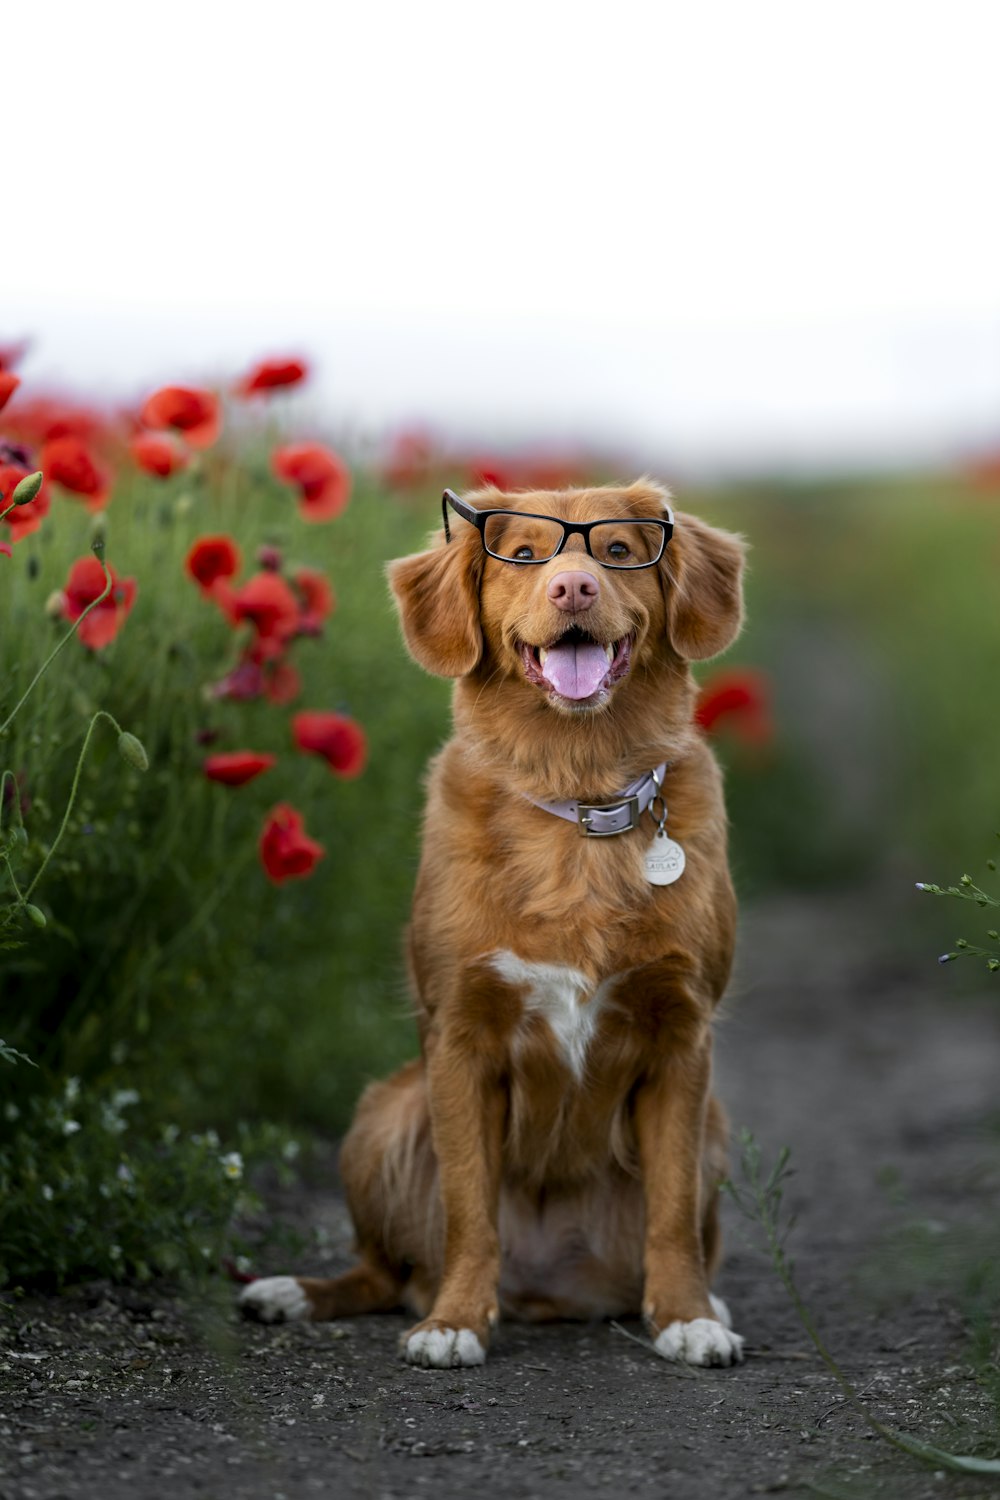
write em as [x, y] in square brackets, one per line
[664, 860]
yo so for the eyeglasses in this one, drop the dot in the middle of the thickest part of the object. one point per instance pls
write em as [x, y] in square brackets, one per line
[515, 537]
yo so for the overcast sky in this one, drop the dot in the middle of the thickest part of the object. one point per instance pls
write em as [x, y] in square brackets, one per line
[718, 232]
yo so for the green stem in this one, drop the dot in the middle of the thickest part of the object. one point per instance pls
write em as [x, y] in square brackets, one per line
[100, 714]
[13, 880]
[6, 512]
[56, 650]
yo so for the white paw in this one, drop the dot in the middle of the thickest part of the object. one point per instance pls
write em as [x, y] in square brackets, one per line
[703, 1341]
[721, 1310]
[443, 1348]
[274, 1299]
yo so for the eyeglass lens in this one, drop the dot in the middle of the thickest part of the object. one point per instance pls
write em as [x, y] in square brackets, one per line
[619, 544]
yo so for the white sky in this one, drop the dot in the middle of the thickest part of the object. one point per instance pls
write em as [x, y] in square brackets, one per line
[719, 231]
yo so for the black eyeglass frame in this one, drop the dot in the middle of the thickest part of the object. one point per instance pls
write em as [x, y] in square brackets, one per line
[478, 519]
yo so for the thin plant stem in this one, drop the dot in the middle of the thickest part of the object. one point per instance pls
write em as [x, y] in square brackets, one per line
[13, 880]
[100, 714]
[57, 648]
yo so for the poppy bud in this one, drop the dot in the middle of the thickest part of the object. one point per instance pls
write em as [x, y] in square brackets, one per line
[37, 916]
[98, 531]
[55, 605]
[28, 488]
[133, 750]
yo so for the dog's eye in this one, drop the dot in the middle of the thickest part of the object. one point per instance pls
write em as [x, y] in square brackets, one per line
[523, 554]
[618, 551]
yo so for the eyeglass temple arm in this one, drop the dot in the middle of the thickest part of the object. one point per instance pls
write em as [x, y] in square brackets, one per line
[467, 512]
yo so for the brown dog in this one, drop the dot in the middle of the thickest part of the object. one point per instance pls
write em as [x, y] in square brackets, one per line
[556, 1150]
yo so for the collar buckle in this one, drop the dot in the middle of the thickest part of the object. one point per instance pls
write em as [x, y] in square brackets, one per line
[602, 820]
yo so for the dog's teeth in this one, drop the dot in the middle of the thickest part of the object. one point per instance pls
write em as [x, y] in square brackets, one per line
[609, 652]
[542, 654]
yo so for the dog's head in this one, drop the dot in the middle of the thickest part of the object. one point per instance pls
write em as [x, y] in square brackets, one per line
[572, 631]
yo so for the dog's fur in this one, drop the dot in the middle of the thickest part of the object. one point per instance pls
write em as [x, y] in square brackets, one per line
[556, 1150]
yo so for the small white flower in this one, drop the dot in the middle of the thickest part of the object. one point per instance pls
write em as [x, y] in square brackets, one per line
[211, 1138]
[47, 1193]
[122, 1098]
[112, 1120]
[170, 1134]
[243, 1264]
[115, 1252]
[11, 1111]
[124, 1173]
[290, 1150]
[72, 1090]
[70, 1127]
[232, 1165]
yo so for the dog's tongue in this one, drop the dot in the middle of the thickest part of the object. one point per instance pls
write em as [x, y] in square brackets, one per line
[576, 671]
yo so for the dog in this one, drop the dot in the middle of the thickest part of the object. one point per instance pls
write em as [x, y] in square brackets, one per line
[556, 1150]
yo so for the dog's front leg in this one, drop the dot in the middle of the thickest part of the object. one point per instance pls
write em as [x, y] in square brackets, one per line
[467, 1118]
[670, 1112]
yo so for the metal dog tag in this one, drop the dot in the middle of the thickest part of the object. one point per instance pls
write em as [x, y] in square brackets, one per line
[664, 860]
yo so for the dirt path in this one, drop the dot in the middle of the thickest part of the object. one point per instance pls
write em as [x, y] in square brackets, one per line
[854, 1058]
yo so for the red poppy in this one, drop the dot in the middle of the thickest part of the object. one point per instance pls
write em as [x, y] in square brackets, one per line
[286, 851]
[273, 679]
[497, 472]
[322, 477]
[8, 385]
[212, 558]
[244, 683]
[85, 584]
[44, 418]
[271, 375]
[237, 767]
[194, 413]
[282, 683]
[339, 740]
[157, 455]
[270, 558]
[266, 601]
[316, 599]
[23, 519]
[409, 462]
[68, 462]
[739, 700]
[6, 549]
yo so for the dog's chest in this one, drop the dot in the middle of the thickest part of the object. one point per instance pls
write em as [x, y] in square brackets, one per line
[563, 998]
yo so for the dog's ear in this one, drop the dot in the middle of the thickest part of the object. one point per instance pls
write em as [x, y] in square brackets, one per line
[703, 577]
[437, 594]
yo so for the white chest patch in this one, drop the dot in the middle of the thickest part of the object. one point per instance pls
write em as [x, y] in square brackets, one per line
[565, 998]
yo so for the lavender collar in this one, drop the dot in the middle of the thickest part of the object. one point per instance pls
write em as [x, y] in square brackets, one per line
[602, 819]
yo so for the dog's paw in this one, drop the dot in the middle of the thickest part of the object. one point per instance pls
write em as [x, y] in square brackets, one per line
[442, 1348]
[703, 1341]
[274, 1299]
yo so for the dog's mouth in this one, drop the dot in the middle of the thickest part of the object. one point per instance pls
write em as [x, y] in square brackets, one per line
[577, 669]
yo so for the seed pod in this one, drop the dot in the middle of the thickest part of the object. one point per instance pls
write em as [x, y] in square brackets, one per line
[28, 488]
[133, 750]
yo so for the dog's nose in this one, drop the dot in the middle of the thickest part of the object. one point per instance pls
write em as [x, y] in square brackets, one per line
[573, 591]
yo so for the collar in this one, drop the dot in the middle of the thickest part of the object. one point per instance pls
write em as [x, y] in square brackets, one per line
[602, 819]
